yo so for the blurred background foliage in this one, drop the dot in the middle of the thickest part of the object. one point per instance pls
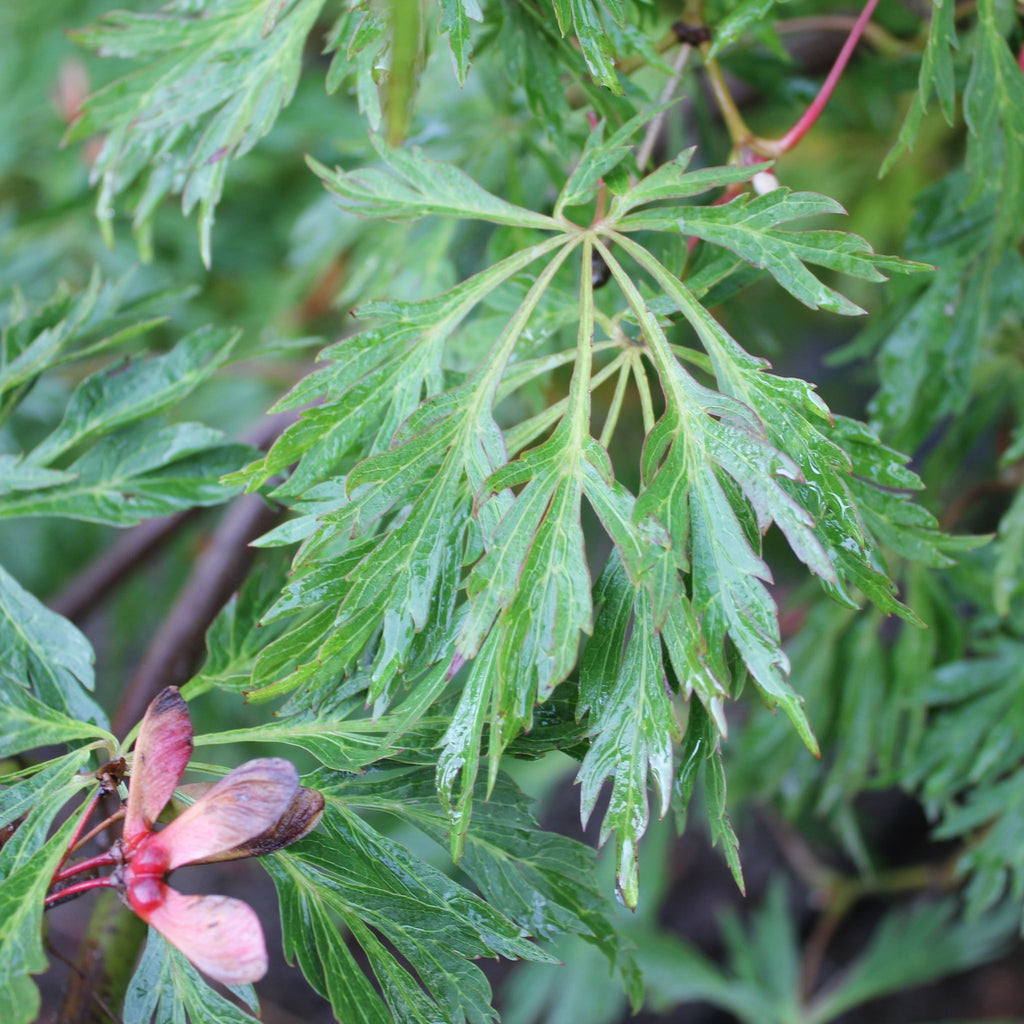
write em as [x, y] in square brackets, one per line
[896, 860]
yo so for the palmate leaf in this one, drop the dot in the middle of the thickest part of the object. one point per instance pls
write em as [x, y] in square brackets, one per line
[377, 594]
[529, 594]
[684, 492]
[374, 380]
[210, 87]
[409, 578]
[166, 988]
[380, 893]
[840, 473]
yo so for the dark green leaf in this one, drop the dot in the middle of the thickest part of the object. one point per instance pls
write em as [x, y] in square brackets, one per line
[44, 652]
[165, 987]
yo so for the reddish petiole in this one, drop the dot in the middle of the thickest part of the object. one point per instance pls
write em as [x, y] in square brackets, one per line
[77, 889]
[111, 856]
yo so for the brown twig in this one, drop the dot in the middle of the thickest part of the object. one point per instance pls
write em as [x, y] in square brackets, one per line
[218, 572]
[126, 555]
[136, 546]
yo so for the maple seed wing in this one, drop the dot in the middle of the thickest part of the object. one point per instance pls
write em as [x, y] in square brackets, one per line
[302, 816]
[221, 936]
[246, 802]
[162, 751]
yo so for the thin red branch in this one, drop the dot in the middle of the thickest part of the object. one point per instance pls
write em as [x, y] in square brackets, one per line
[75, 835]
[800, 129]
[99, 861]
[56, 898]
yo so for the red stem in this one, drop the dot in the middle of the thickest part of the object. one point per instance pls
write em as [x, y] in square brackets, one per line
[800, 129]
[100, 860]
[77, 889]
[77, 833]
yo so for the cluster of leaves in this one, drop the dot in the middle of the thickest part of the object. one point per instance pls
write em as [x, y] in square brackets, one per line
[484, 565]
